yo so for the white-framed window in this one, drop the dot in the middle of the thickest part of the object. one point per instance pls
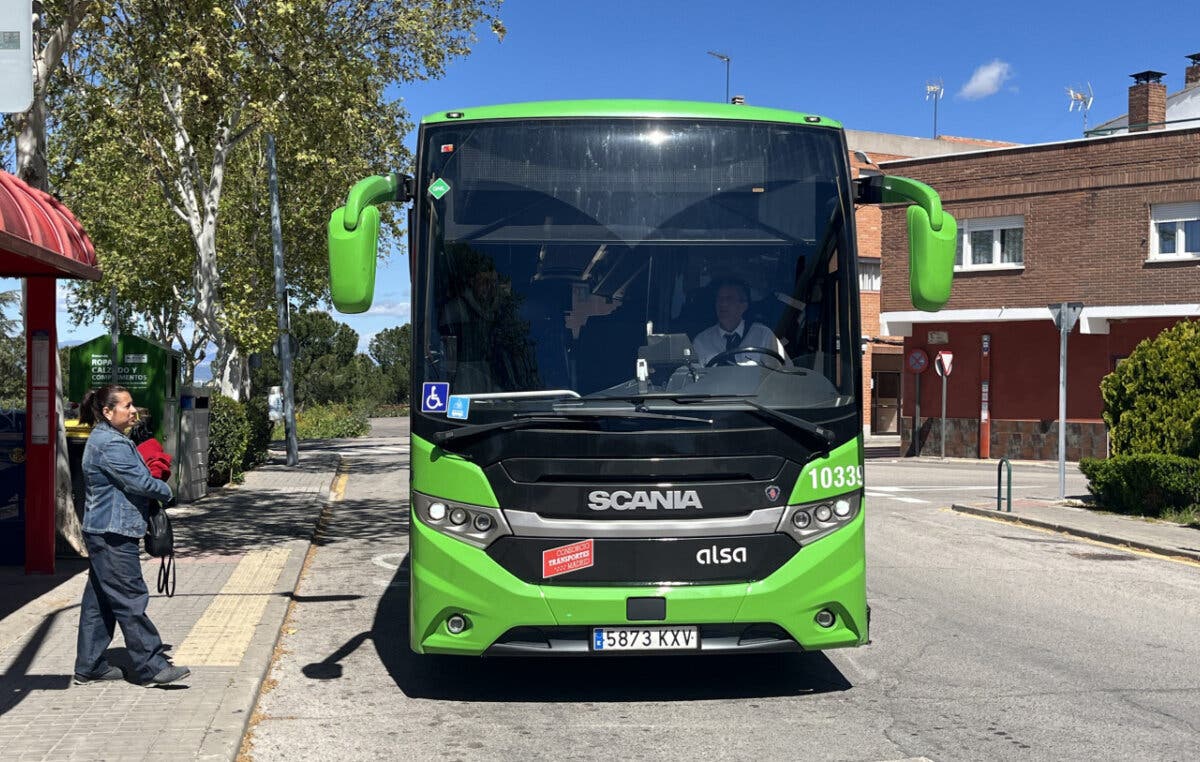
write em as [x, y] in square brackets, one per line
[990, 243]
[869, 278]
[1175, 231]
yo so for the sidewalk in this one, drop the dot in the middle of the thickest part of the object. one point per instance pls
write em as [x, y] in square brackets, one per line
[1160, 537]
[239, 554]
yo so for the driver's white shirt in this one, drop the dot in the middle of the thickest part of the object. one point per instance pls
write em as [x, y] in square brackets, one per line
[711, 342]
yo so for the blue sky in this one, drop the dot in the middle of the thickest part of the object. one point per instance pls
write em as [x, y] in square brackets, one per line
[1005, 69]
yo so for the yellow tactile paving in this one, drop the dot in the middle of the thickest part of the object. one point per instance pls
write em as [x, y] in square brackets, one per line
[221, 636]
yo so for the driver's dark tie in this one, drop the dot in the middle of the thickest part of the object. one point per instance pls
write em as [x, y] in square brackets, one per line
[732, 341]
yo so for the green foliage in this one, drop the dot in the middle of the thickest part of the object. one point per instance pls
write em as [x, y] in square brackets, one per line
[228, 436]
[335, 421]
[389, 411]
[1152, 399]
[259, 425]
[327, 367]
[12, 352]
[1147, 485]
[392, 349]
[159, 147]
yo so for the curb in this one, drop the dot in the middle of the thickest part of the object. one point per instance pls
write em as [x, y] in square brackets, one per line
[1107, 539]
[293, 573]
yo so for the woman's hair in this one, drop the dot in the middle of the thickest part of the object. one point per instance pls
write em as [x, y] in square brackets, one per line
[91, 409]
[141, 431]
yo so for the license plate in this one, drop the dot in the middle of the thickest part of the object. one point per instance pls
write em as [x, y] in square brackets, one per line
[645, 639]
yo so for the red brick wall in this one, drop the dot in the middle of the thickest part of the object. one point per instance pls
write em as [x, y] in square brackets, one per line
[1087, 220]
[868, 225]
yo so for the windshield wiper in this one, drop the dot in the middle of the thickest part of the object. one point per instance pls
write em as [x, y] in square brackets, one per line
[818, 433]
[554, 418]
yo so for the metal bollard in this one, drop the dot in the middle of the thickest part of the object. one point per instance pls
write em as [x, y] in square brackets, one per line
[999, 479]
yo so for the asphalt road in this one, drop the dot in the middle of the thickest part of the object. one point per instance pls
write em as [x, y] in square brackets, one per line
[990, 641]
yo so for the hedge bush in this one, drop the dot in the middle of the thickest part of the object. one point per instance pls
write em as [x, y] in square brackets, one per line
[1146, 485]
[258, 419]
[336, 421]
[228, 436]
[1152, 399]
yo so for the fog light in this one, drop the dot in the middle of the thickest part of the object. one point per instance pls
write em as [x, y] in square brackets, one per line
[842, 508]
[483, 522]
[456, 624]
[825, 618]
[801, 519]
[458, 517]
[823, 513]
[437, 511]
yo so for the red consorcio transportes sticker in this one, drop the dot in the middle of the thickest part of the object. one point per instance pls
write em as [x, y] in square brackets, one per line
[567, 558]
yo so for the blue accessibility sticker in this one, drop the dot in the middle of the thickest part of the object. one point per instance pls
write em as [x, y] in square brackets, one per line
[433, 396]
[460, 407]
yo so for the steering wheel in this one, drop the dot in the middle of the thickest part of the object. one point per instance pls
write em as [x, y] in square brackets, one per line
[739, 350]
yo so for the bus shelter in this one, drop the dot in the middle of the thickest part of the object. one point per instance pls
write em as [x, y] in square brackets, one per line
[40, 242]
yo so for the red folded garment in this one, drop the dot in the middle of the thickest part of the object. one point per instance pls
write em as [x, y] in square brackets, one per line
[157, 460]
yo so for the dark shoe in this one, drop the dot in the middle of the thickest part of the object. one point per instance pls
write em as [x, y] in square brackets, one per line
[167, 675]
[113, 673]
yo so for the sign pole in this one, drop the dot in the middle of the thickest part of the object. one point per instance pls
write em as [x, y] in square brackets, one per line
[943, 416]
[917, 419]
[918, 363]
[1065, 314]
[281, 309]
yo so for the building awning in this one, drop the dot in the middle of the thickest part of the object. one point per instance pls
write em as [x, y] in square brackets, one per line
[1093, 320]
[39, 237]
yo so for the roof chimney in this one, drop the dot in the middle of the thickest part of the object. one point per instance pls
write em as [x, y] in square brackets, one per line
[1147, 101]
[1191, 75]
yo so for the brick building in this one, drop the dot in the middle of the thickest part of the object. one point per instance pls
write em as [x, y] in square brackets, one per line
[882, 354]
[1112, 222]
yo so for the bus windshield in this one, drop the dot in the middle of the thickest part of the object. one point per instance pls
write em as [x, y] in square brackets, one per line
[637, 258]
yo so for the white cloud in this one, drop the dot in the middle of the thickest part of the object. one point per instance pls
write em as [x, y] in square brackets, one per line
[987, 80]
[392, 309]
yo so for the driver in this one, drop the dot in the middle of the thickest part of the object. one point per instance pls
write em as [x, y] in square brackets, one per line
[731, 331]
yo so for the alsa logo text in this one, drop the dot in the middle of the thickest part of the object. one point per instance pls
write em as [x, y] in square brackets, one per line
[715, 555]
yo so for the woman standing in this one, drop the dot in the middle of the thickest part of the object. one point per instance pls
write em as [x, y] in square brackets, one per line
[118, 490]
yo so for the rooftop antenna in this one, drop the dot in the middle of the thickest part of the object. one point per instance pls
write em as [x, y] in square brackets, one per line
[1082, 101]
[934, 91]
[724, 59]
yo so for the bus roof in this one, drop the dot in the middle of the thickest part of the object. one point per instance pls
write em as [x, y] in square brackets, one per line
[631, 108]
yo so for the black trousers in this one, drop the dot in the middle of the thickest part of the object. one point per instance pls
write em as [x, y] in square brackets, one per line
[116, 594]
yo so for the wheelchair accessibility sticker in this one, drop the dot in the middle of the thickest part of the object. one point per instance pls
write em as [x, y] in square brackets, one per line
[433, 396]
[460, 407]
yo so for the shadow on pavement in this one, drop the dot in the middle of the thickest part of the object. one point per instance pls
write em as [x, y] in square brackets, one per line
[675, 678]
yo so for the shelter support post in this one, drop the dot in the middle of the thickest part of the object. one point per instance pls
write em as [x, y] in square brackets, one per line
[41, 348]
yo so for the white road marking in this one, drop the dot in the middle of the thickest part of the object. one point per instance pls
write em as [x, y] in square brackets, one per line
[383, 560]
[897, 497]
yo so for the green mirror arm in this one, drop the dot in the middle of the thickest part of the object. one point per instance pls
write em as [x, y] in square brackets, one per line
[375, 190]
[890, 189]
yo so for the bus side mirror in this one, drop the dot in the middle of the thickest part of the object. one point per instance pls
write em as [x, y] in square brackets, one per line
[930, 259]
[352, 255]
[354, 240]
[932, 236]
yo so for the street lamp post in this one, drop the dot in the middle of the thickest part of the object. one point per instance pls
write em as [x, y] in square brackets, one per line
[726, 59]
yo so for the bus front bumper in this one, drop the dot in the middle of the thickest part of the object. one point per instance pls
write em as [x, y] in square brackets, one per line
[505, 615]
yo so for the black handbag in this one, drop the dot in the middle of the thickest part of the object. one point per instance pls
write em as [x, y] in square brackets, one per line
[160, 543]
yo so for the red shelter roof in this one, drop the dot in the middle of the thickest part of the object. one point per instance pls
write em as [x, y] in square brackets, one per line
[39, 236]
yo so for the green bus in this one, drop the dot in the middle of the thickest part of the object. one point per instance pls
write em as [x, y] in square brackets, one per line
[636, 421]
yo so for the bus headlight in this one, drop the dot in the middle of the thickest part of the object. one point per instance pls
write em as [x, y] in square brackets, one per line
[473, 524]
[811, 521]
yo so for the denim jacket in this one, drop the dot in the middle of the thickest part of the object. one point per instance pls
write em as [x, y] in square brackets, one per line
[119, 486]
